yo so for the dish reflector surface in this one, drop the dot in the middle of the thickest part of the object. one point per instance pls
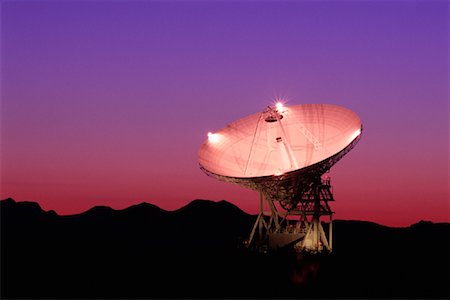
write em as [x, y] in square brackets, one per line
[275, 142]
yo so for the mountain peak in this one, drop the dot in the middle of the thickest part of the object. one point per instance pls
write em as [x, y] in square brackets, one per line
[100, 209]
[7, 200]
[143, 205]
[201, 204]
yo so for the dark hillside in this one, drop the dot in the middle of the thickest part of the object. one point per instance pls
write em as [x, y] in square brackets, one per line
[146, 252]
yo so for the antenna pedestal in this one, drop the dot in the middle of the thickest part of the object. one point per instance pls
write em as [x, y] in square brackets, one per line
[294, 221]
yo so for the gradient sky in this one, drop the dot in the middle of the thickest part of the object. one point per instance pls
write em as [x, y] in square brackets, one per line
[107, 102]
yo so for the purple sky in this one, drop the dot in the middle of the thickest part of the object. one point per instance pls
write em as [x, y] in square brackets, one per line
[107, 102]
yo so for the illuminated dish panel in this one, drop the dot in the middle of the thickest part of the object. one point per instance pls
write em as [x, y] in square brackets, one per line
[280, 140]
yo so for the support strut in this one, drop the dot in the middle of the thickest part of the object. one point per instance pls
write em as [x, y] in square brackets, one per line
[300, 217]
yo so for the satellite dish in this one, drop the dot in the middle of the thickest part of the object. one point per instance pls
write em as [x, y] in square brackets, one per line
[283, 152]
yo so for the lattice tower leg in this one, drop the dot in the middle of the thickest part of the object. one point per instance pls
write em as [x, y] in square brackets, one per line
[312, 205]
[267, 221]
[315, 239]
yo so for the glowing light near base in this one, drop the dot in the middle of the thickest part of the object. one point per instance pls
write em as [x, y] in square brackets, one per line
[213, 137]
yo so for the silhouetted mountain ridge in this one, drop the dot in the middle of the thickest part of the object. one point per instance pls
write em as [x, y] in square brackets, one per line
[144, 251]
[30, 208]
[34, 207]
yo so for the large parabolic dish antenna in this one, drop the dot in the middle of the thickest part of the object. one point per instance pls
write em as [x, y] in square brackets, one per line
[283, 152]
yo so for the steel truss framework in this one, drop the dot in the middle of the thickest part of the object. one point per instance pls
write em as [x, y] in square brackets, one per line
[302, 198]
[299, 222]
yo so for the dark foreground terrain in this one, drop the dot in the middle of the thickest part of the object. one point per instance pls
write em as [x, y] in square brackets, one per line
[146, 252]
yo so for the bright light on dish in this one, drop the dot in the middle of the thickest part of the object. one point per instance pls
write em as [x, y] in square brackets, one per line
[354, 135]
[278, 173]
[213, 137]
[279, 106]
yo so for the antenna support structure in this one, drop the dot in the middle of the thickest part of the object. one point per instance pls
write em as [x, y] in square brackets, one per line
[296, 221]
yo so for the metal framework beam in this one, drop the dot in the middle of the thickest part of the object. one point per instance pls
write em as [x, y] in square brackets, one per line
[300, 221]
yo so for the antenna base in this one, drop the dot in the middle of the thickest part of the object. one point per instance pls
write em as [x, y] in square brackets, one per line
[295, 223]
